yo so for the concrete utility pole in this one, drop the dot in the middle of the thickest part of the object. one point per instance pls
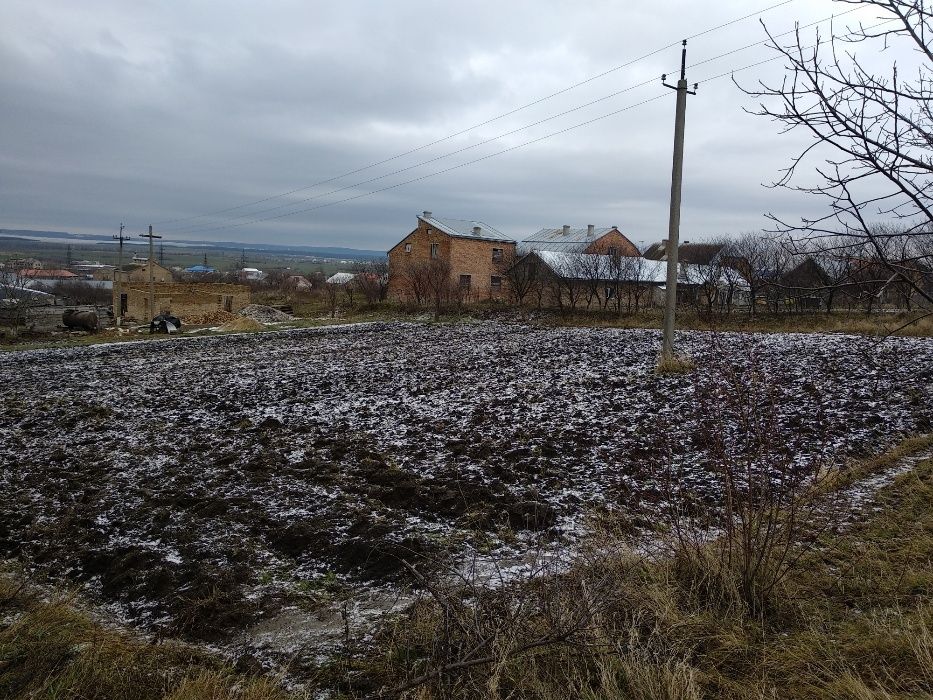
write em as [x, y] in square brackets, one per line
[673, 232]
[151, 236]
[118, 278]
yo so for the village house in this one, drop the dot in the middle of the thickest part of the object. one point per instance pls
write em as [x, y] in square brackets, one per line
[43, 275]
[139, 272]
[183, 300]
[471, 255]
[690, 253]
[573, 281]
[589, 240]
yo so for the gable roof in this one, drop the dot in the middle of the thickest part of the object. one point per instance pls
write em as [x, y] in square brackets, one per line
[575, 240]
[596, 266]
[47, 274]
[463, 228]
[690, 253]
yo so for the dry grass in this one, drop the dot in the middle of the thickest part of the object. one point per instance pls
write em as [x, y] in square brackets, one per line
[49, 650]
[853, 622]
[678, 364]
[242, 324]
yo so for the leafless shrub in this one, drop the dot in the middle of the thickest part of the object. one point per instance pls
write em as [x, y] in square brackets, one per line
[769, 501]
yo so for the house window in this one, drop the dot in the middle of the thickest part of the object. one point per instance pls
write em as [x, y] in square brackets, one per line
[495, 283]
[465, 281]
[613, 251]
[408, 247]
[610, 293]
[434, 247]
[496, 254]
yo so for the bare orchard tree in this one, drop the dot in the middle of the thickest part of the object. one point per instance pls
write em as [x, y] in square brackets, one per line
[372, 279]
[522, 273]
[759, 259]
[871, 135]
[331, 297]
[439, 286]
[17, 300]
[635, 278]
[565, 285]
[413, 281]
[594, 275]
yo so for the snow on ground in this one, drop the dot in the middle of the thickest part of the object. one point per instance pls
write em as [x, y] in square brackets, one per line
[199, 486]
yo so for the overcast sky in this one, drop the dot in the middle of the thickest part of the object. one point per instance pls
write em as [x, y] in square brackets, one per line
[154, 110]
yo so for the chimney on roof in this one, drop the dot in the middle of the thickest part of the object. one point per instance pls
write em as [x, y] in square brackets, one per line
[589, 229]
[566, 229]
[615, 228]
[427, 214]
[476, 230]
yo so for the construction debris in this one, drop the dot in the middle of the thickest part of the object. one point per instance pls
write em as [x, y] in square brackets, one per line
[264, 314]
[214, 318]
[242, 324]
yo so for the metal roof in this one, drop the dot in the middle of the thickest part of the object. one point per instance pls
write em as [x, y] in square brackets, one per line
[603, 267]
[463, 228]
[341, 278]
[575, 240]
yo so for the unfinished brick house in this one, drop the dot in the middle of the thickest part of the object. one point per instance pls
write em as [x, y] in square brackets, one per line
[589, 240]
[139, 272]
[470, 254]
[181, 300]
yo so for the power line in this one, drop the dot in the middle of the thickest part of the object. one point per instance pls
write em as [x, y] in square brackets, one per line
[489, 156]
[254, 214]
[484, 123]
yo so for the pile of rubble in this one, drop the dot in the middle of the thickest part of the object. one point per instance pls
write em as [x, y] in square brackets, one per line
[214, 318]
[264, 314]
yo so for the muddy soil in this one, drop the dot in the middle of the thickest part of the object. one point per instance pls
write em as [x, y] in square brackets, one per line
[200, 486]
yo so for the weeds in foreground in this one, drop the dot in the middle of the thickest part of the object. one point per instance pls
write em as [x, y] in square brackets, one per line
[50, 650]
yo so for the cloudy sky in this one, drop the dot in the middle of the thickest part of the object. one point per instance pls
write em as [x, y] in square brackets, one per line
[155, 111]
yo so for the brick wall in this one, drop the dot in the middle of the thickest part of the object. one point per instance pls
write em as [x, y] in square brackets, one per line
[184, 299]
[613, 239]
[140, 274]
[466, 256]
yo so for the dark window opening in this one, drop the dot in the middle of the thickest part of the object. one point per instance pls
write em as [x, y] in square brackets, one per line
[465, 281]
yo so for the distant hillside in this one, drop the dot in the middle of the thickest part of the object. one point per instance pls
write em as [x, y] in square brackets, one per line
[319, 251]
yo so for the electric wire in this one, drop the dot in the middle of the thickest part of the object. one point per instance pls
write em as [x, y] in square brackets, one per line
[491, 155]
[574, 86]
[253, 215]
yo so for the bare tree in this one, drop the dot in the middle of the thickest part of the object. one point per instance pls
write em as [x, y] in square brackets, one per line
[759, 259]
[593, 271]
[871, 135]
[438, 283]
[331, 296]
[565, 285]
[521, 273]
[372, 279]
[17, 300]
[414, 281]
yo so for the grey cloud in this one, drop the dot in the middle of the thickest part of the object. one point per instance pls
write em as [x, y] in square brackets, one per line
[152, 111]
